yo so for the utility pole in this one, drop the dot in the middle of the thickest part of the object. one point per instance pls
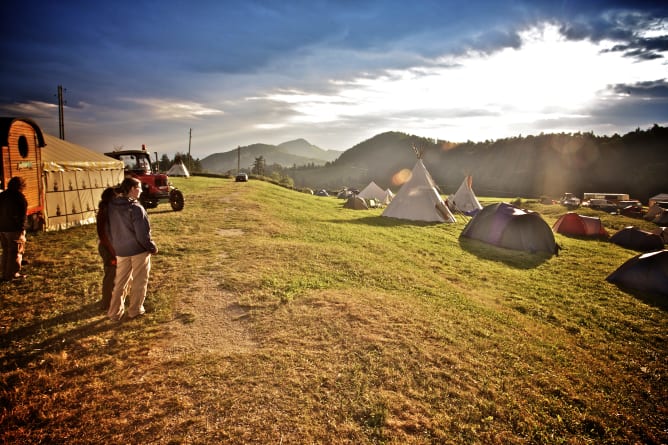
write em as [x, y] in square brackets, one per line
[190, 137]
[61, 117]
[238, 158]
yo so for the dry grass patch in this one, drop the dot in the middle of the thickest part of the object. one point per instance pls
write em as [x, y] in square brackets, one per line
[279, 317]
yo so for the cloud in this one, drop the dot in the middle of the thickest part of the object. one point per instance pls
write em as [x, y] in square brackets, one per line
[638, 35]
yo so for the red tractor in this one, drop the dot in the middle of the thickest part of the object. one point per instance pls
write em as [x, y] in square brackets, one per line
[156, 187]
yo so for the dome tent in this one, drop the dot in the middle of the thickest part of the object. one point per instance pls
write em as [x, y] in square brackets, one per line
[356, 202]
[646, 272]
[635, 239]
[506, 226]
[573, 224]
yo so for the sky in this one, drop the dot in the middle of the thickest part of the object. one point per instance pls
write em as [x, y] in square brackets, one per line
[209, 76]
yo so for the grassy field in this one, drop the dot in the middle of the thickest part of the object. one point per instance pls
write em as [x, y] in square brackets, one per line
[275, 317]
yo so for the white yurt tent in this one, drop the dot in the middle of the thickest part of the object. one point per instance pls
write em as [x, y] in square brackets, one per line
[178, 169]
[372, 191]
[464, 199]
[74, 179]
[418, 199]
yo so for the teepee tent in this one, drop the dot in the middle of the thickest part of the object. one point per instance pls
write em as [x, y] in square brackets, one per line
[372, 191]
[178, 169]
[464, 199]
[74, 179]
[418, 199]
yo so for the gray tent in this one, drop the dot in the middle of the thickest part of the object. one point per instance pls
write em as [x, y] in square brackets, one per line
[356, 203]
[646, 272]
[504, 225]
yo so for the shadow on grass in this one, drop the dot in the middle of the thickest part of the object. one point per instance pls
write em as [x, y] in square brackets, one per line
[652, 299]
[513, 258]
[384, 221]
[31, 342]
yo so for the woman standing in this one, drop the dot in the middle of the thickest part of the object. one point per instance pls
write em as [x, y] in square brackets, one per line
[104, 247]
[130, 234]
[13, 211]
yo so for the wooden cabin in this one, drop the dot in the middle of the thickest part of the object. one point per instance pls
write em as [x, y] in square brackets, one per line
[22, 142]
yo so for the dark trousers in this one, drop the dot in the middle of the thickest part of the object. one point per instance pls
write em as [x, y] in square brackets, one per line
[13, 246]
[109, 275]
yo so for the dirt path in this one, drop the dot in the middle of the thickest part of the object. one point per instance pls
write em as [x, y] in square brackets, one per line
[206, 320]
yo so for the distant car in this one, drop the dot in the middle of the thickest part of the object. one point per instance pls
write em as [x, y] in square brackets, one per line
[241, 177]
[570, 201]
[632, 202]
[632, 208]
[603, 205]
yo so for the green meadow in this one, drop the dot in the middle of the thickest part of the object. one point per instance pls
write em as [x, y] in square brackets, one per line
[277, 317]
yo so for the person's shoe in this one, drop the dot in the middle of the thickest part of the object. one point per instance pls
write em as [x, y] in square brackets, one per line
[117, 319]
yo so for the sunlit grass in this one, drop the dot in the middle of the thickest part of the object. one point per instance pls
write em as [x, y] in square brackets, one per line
[276, 316]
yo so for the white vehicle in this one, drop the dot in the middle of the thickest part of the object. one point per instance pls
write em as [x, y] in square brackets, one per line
[570, 200]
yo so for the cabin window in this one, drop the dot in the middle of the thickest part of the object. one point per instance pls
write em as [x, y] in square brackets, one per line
[23, 146]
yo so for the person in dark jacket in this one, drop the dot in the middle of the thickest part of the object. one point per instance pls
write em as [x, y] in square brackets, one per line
[130, 234]
[13, 218]
[104, 247]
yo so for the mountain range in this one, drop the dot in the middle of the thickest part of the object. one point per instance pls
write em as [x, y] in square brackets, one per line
[292, 153]
[531, 166]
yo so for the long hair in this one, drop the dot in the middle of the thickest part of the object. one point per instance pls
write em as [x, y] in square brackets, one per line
[107, 195]
[128, 184]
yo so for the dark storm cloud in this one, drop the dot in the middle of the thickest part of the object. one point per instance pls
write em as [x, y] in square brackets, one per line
[657, 89]
[625, 27]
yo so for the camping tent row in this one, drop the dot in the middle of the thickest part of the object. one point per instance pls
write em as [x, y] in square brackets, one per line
[64, 181]
[371, 196]
[633, 238]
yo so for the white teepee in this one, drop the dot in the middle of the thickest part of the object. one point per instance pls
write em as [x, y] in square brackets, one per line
[418, 199]
[372, 191]
[178, 169]
[464, 199]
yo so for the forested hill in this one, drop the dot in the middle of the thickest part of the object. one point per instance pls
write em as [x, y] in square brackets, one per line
[531, 166]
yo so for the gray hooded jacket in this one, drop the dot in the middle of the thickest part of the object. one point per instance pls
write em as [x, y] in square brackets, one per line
[129, 229]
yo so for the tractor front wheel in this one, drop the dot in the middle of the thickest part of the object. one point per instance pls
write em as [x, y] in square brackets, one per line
[176, 200]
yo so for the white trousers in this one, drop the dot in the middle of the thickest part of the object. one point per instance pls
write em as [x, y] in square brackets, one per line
[134, 268]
